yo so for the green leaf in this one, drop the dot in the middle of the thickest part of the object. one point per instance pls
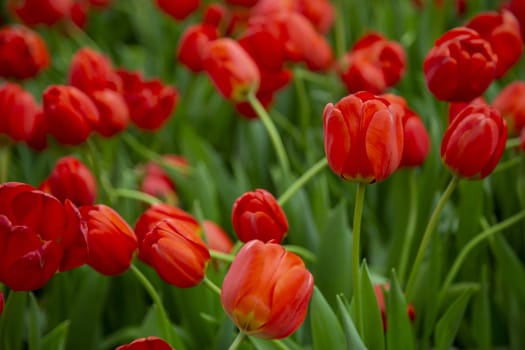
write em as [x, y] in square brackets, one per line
[34, 333]
[399, 328]
[448, 325]
[373, 335]
[12, 321]
[353, 340]
[326, 330]
[56, 339]
[481, 320]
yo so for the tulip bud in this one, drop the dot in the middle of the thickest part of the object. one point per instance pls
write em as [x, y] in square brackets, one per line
[179, 9]
[510, 102]
[91, 71]
[113, 112]
[192, 45]
[257, 215]
[33, 12]
[267, 290]
[216, 238]
[363, 138]
[149, 343]
[474, 142]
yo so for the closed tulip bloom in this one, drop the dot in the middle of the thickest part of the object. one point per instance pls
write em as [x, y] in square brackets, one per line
[156, 182]
[258, 215]
[455, 107]
[460, 66]
[474, 142]
[176, 252]
[517, 7]
[111, 241]
[192, 45]
[267, 290]
[33, 12]
[510, 102]
[231, 69]
[70, 114]
[374, 64]
[179, 9]
[71, 179]
[113, 112]
[149, 343]
[23, 53]
[363, 138]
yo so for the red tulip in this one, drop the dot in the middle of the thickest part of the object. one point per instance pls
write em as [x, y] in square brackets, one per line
[70, 114]
[231, 69]
[175, 250]
[247, 3]
[33, 12]
[156, 182]
[111, 241]
[113, 112]
[71, 179]
[149, 343]
[150, 102]
[1, 303]
[192, 45]
[461, 65]
[258, 215]
[319, 12]
[216, 238]
[267, 290]
[455, 107]
[517, 7]
[510, 102]
[179, 9]
[363, 138]
[23, 53]
[378, 289]
[474, 142]
[374, 64]
[214, 14]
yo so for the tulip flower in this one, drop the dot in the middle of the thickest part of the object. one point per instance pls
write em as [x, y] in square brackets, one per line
[216, 238]
[111, 241]
[455, 107]
[156, 182]
[150, 102]
[113, 111]
[176, 252]
[378, 290]
[71, 179]
[33, 12]
[320, 13]
[363, 138]
[149, 343]
[38, 236]
[179, 9]
[374, 64]
[23, 53]
[231, 69]
[257, 215]
[461, 65]
[517, 7]
[474, 142]
[502, 31]
[192, 45]
[510, 102]
[266, 291]
[70, 114]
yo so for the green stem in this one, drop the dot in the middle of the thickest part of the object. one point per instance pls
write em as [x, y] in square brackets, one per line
[272, 131]
[237, 341]
[80, 37]
[512, 143]
[411, 225]
[211, 285]
[132, 194]
[302, 252]
[5, 154]
[316, 168]
[356, 236]
[279, 344]
[340, 39]
[221, 256]
[427, 235]
[488, 232]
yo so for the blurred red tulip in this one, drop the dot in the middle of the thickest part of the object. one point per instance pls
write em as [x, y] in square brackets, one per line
[78, 13]
[378, 289]
[247, 3]
[363, 138]
[23, 53]
[22, 118]
[70, 114]
[192, 45]
[110, 240]
[374, 64]
[150, 102]
[455, 107]
[517, 7]
[319, 12]
[71, 179]
[113, 112]
[176, 252]
[510, 102]
[179, 9]
[149, 343]
[91, 71]
[214, 14]
[156, 182]
[231, 69]
[461, 65]
[267, 290]
[502, 31]
[258, 215]
[216, 238]
[33, 12]
[474, 142]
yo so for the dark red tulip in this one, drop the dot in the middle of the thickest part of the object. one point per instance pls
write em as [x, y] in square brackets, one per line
[156, 182]
[113, 112]
[33, 12]
[517, 7]
[192, 45]
[179, 9]
[510, 102]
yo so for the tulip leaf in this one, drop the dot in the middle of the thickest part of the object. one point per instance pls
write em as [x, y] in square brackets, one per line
[353, 340]
[482, 316]
[56, 339]
[372, 332]
[12, 321]
[449, 323]
[326, 330]
[34, 323]
[399, 329]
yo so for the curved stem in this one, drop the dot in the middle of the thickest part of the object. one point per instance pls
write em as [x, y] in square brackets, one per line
[272, 131]
[221, 256]
[141, 196]
[211, 285]
[427, 235]
[237, 341]
[339, 29]
[316, 168]
[512, 143]
[302, 252]
[411, 225]
[356, 236]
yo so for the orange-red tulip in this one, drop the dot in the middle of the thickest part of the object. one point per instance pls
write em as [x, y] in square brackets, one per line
[267, 290]
[363, 138]
[33, 12]
[510, 102]
[149, 343]
[179, 9]
[474, 142]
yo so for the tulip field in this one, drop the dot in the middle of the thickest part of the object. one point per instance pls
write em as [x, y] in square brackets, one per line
[262, 174]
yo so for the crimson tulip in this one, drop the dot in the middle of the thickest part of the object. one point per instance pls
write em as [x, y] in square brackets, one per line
[455, 107]
[474, 142]
[149, 343]
[156, 182]
[113, 112]
[33, 12]
[510, 102]
[363, 138]
[266, 291]
[258, 215]
[179, 9]
[517, 7]
[192, 45]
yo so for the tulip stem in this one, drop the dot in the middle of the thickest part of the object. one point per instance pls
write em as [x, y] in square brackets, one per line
[299, 183]
[302, 252]
[512, 143]
[211, 285]
[272, 131]
[237, 341]
[427, 235]
[340, 40]
[4, 162]
[411, 224]
[356, 236]
[221, 256]
[141, 196]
